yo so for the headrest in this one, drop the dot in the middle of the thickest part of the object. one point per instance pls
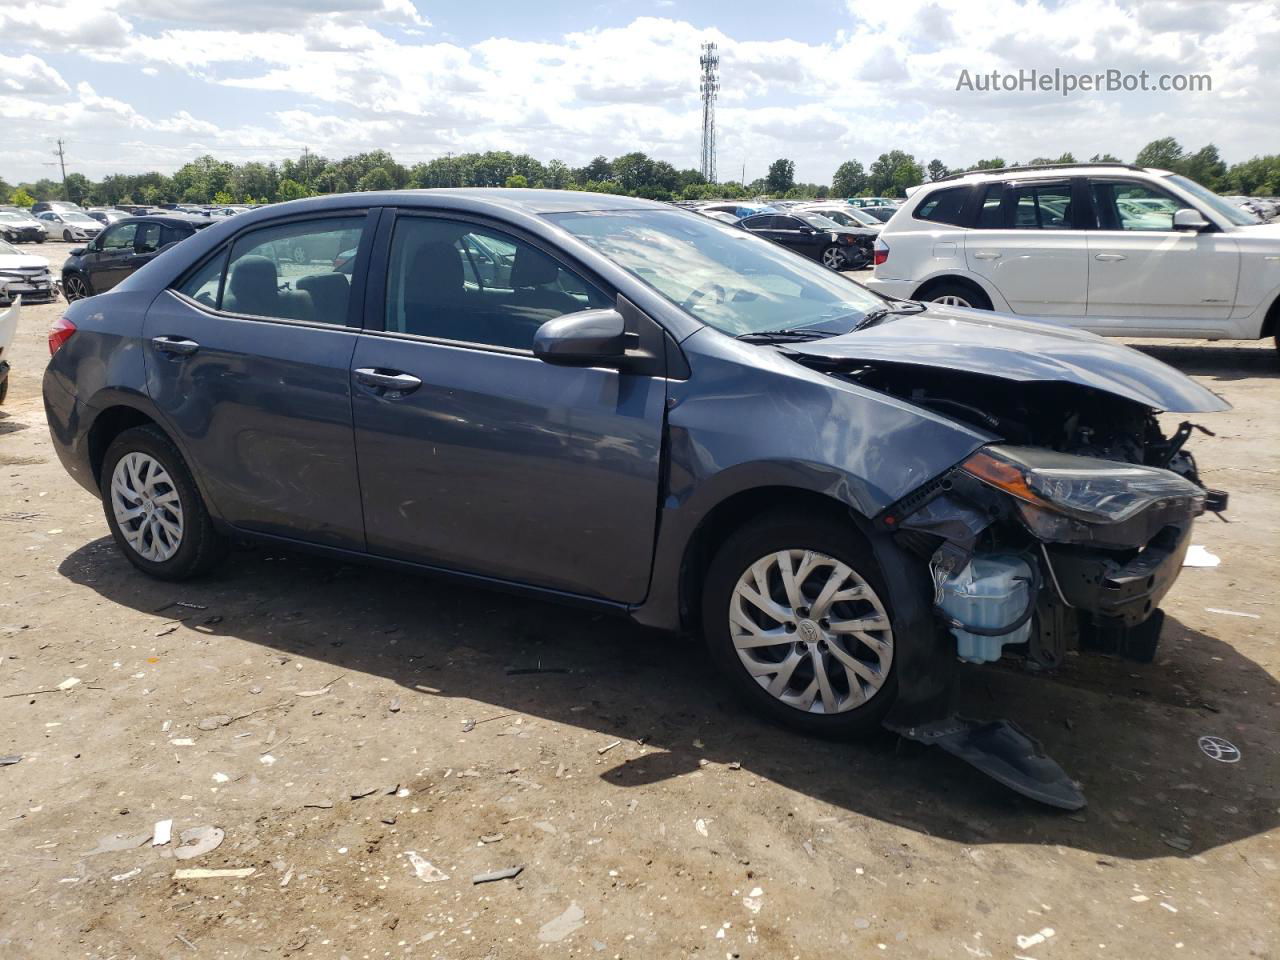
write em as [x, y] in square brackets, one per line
[533, 268]
[253, 276]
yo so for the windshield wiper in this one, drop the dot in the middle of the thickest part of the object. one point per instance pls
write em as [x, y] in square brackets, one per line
[875, 316]
[795, 335]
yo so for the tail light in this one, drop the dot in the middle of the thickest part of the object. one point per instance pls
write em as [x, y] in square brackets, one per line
[881, 252]
[60, 332]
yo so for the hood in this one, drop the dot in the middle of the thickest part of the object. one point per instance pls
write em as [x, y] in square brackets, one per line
[999, 345]
[22, 261]
[1266, 231]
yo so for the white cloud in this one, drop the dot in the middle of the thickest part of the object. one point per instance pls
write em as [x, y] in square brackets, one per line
[30, 75]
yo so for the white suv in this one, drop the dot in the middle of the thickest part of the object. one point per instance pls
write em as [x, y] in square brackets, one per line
[1116, 249]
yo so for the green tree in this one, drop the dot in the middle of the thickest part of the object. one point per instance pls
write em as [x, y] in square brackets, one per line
[516, 180]
[291, 190]
[558, 176]
[850, 179]
[20, 198]
[223, 197]
[379, 178]
[893, 172]
[598, 171]
[1104, 158]
[781, 176]
[1165, 153]
[995, 163]
[1205, 167]
[937, 170]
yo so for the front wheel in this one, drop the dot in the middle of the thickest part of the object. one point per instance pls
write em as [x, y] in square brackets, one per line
[958, 295]
[154, 510]
[833, 258]
[66, 236]
[795, 615]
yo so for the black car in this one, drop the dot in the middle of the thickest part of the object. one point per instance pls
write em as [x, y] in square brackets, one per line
[815, 236]
[121, 249]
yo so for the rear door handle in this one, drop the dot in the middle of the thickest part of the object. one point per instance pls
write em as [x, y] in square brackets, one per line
[175, 346]
[987, 255]
[393, 381]
[1110, 257]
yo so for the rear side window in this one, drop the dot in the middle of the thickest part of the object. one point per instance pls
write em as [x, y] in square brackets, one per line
[294, 271]
[989, 214]
[147, 239]
[944, 206]
[170, 235]
[1042, 207]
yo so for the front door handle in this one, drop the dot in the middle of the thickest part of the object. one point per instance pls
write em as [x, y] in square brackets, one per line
[1110, 257]
[986, 255]
[393, 381]
[175, 346]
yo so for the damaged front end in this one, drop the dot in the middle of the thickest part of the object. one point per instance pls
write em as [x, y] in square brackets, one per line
[1064, 533]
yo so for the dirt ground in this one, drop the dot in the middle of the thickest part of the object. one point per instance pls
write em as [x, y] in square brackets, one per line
[369, 742]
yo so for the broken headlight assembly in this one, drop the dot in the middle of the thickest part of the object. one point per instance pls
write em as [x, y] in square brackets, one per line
[1062, 498]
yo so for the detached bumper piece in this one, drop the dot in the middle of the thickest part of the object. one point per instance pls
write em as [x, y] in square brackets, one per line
[1001, 750]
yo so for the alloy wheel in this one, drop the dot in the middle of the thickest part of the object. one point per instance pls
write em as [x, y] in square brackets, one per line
[74, 288]
[833, 258]
[811, 631]
[147, 507]
[951, 300]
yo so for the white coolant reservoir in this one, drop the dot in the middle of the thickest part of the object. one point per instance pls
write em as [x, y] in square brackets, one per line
[991, 592]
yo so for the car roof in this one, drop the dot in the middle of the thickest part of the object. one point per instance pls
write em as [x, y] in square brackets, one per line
[528, 201]
[169, 219]
[1040, 171]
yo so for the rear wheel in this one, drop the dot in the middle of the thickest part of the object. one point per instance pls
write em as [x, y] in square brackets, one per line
[795, 615]
[155, 512]
[957, 295]
[833, 258]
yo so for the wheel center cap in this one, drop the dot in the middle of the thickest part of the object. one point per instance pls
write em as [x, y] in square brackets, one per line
[809, 631]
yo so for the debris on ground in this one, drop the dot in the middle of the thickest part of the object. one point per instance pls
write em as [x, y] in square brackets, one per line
[197, 841]
[1198, 556]
[609, 746]
[214, 722]
[493, 875]
[555, 930]
[127, 875]
[161, 833]
[1232, 613]
[68, 683]
[425, 870]
[117, 842]
[320, 691]
[200, 873]
[10, 760]
[490, 838]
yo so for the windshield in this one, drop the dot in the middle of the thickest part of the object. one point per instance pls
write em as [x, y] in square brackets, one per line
[9, 249]
[819, 221]
[77, 218]
[1241, 218]
[729, 279]
[9, 216]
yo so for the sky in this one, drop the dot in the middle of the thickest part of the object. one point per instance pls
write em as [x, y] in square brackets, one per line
[133, 85]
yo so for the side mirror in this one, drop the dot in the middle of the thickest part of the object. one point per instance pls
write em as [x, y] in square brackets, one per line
[79, 251]
[1189, 219]
[588, 338]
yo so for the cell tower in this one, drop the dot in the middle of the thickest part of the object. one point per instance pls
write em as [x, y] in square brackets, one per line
[710, 86]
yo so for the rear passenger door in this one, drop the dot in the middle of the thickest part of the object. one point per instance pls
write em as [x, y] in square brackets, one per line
[248, 361]
[476, 456]
[1031, 244]
[106, 261]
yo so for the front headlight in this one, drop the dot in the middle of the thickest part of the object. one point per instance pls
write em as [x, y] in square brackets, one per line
[1057, 493]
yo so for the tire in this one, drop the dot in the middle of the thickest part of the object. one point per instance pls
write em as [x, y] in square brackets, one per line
[957, 295]
[75, 287]
[833, 258]
[781, 693]
[66, 236]
[129, 481]
[42, 238]
[857, 258]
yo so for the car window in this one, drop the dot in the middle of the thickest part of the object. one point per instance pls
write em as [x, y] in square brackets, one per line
[148, 238]
[204, 285]
[119, 237]
[1125, 205]
[1042, 206]
[170, 235]
[472, 284]
[989, 214]
[944, 206]
[286, 272]
[758, 223]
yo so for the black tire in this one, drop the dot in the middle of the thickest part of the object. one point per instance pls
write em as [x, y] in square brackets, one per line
[971, 296]
[75, 287]
[66, 236]
[42, 238]
[782, 530]
[201, 547]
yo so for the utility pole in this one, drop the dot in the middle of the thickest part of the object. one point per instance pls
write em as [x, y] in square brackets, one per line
[709, 87]
[306, 166]
[62, 163]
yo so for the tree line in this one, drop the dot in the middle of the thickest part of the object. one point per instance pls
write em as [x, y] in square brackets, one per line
[209, 180]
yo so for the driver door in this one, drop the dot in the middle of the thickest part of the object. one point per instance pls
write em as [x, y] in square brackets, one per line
[106, 261]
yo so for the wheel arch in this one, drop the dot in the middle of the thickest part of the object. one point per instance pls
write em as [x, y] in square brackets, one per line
[1271, 322]
[923, 291]
[108, 425]
[729, 515]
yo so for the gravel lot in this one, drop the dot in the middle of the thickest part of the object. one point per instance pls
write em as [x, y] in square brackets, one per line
[344, 726]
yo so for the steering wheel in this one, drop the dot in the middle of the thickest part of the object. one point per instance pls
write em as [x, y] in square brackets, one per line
[701, 292]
